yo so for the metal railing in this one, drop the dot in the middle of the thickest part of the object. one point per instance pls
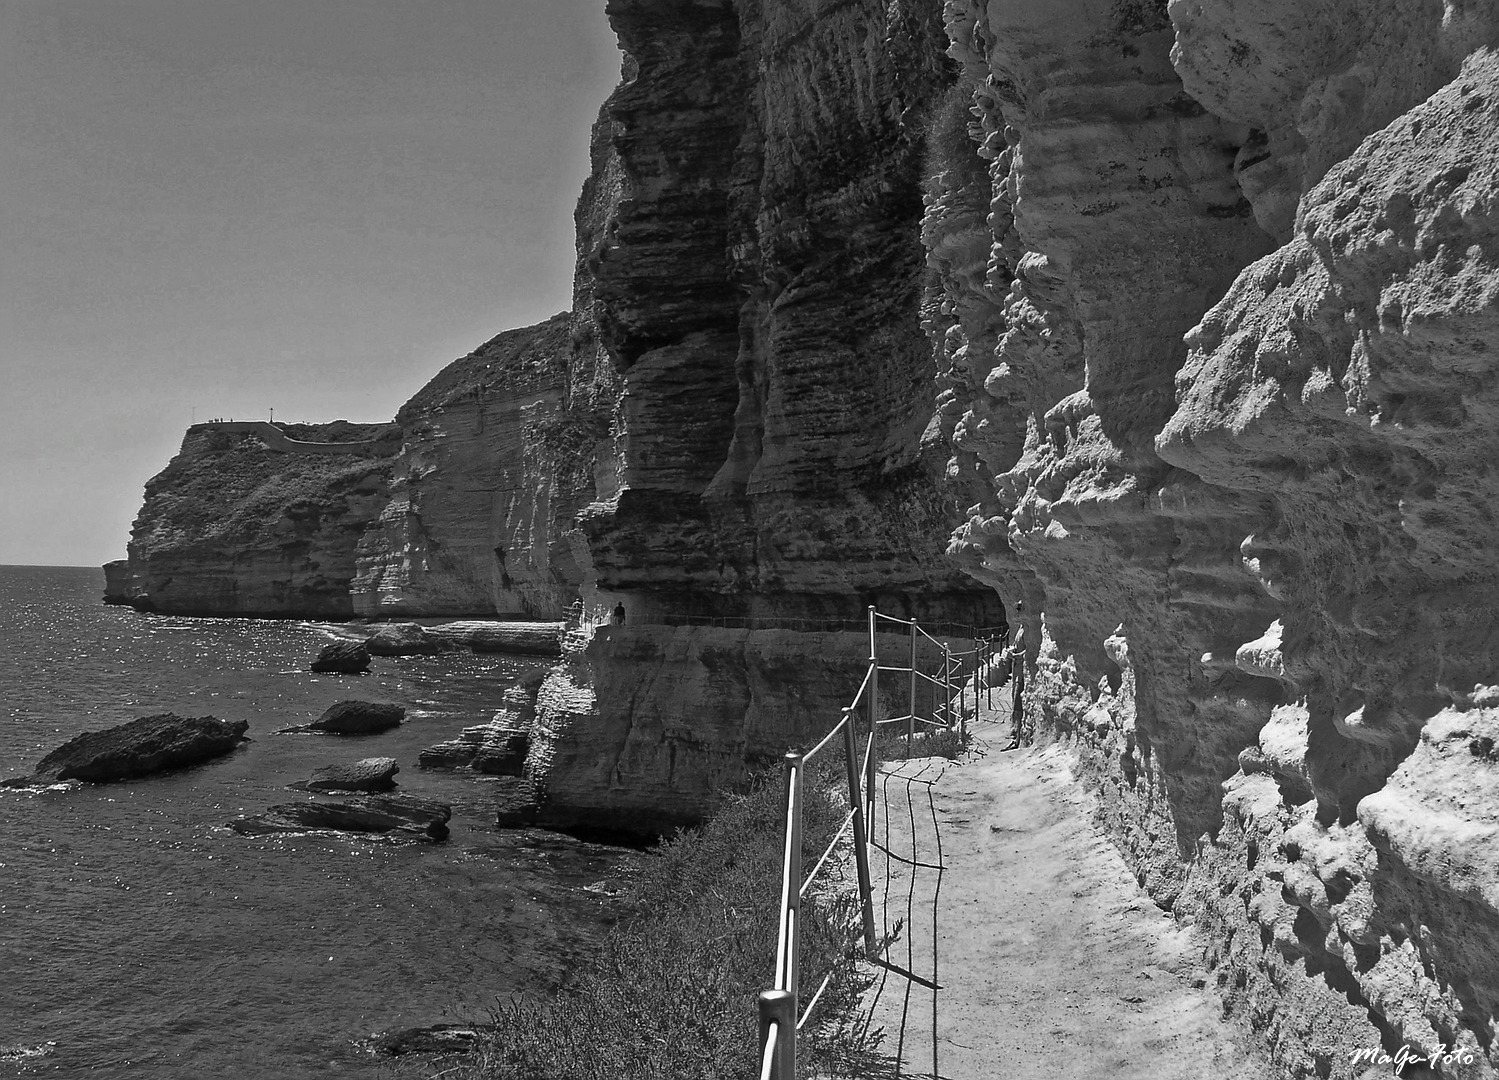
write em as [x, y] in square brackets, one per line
[780, 1019]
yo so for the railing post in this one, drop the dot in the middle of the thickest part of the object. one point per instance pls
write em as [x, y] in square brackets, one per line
[911, 723]
[787, 960]
[861, 834]
[947, 683]
[778, 1007]
[988, 675]
[874, 705]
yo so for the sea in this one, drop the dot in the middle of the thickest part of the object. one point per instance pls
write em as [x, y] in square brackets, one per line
[140, 937]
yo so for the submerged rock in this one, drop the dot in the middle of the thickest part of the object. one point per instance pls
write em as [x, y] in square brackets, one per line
[434, 1039]
[148, 745]
[403, 639]
[342, 658]
[372, 813]
[366, 774]
[353, 718]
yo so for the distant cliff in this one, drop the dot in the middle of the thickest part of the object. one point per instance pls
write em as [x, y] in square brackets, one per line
[233, 527]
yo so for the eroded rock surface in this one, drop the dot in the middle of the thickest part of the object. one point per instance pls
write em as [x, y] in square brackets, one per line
[1215, 303]
[149, 745]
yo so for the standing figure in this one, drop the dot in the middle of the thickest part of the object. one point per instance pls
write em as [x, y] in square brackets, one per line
[1016, 655]
[618, 615]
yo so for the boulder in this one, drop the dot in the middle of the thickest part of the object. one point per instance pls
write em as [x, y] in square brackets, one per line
[370, 813]
[353, 718]
[366, 774]
[342, 658]
[403, 639]
[148, 745]
[487, 748]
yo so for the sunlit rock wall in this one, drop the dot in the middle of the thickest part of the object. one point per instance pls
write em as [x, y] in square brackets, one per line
[482, 495]
[1214, 297]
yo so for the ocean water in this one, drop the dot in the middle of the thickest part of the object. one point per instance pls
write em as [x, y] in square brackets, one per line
[142, 938]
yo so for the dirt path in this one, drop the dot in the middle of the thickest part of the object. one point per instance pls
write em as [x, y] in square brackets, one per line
[1054, 963]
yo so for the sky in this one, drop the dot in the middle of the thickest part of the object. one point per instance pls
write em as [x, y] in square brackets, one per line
[212, 208]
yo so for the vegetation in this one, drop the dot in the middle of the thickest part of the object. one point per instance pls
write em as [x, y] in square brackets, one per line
[674, 992]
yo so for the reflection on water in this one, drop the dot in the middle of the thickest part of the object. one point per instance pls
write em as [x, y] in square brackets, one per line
[144, 938]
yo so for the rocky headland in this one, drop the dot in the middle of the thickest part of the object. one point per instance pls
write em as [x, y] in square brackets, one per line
[236, 526]
[1176, 322]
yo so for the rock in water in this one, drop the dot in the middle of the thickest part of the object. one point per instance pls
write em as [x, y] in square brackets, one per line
[353, 718]
[487, 748]
[342, 658]
[149, 745]
[437, 1039]
[402, 639]
[373, 813]
[366, 774]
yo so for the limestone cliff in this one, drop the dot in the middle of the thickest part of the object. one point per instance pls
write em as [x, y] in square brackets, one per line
[758, 286]
[234, 527]
[1214, 296]
[490, 475]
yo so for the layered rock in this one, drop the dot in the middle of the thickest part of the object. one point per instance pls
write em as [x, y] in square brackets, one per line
[758, 287]
[641, 729]
[491, 472]
[234, 527]
[498, 748]
[1242, 494]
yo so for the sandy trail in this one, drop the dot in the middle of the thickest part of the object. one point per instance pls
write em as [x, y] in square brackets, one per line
[1054, 962]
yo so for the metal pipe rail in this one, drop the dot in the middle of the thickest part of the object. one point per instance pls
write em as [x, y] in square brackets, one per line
[779, 1020]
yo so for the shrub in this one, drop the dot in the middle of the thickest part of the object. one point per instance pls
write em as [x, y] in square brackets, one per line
[674, 992]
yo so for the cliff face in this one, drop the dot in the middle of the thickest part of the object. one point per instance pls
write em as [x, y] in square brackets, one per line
[1214, 293]
[758, 289]
[233, 527]
[490, 474]
[758, 286]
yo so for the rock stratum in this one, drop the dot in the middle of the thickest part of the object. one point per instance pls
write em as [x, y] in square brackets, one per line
[1176, 321]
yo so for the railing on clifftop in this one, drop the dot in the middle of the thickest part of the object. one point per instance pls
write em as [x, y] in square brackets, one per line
[780, 1019]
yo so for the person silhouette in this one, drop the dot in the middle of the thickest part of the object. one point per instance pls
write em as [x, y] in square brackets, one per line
[1016, 654]
[618, 617]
